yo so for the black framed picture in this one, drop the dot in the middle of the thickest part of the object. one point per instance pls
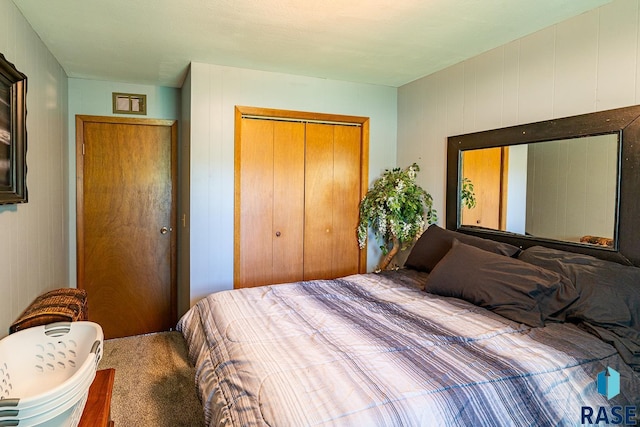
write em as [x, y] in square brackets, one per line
[13, 134]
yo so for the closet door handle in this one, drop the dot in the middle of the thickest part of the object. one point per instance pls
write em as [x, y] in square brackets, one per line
[277, 234]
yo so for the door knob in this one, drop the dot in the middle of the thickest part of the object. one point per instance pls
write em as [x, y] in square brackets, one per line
[165, 230]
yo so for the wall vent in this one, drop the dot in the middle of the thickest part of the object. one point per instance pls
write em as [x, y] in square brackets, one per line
[129, 103]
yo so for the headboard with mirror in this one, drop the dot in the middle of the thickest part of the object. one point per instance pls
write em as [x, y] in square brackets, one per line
[571, 184]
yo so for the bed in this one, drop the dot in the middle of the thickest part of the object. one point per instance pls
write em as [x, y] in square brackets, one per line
[473, 332]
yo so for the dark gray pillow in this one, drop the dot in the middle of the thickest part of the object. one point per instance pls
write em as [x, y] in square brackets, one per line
[514, 289]
[609, 302]
[609, 292]
[435, 242]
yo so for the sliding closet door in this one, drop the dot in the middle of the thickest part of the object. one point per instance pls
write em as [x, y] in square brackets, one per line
[270, 202]
[346, 199]
[288, 201]
[332, 196]
[298, 184]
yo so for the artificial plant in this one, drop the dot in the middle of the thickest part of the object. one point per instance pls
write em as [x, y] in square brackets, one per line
[467, 195]
[397, 211]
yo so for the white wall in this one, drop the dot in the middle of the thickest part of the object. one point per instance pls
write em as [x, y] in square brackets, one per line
[585, 64]
[93, 97]
[34, 243]
[215, 91]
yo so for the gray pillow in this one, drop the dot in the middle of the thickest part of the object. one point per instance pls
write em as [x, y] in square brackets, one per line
[435, 242]
[609, 292]
[609, 302]
[514, 289]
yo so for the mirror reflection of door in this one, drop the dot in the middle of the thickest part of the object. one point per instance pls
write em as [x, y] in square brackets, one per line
[487, 170]
[562, 189]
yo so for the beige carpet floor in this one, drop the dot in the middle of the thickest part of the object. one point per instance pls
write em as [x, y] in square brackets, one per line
[154, 383]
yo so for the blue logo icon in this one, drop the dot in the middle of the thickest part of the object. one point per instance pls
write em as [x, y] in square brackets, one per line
[609, 383]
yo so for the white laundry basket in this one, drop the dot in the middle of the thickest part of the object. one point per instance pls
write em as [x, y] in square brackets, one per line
[46, 372]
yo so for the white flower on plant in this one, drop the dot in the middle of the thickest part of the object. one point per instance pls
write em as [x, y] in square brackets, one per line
[382, 222]
[412, 171]
[406, 229]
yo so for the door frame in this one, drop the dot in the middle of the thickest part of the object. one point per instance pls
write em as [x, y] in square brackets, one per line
[303, 116]
[80, 256]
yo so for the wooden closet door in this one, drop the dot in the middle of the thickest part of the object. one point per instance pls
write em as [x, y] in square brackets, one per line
[270, 203]
[332, 196]
[346, 199]
[255, 199]
[288, 201]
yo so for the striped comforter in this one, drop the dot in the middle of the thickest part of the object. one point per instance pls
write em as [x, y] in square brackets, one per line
[370, 350]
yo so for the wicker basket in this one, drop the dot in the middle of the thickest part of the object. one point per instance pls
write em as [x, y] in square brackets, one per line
[58, 305]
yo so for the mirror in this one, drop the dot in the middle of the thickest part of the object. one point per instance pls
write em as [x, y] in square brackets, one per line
[561, 190]
[566, 183]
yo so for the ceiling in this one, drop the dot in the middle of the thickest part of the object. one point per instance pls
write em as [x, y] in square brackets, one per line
[384, 42]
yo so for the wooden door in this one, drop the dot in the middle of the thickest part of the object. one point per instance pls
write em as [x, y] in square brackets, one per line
[487, 170]
[269, 202]
[288, 201]
[298, 184]
[332, 197]
[126, 192]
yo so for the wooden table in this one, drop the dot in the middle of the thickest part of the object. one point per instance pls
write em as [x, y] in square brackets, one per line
[97, 411]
